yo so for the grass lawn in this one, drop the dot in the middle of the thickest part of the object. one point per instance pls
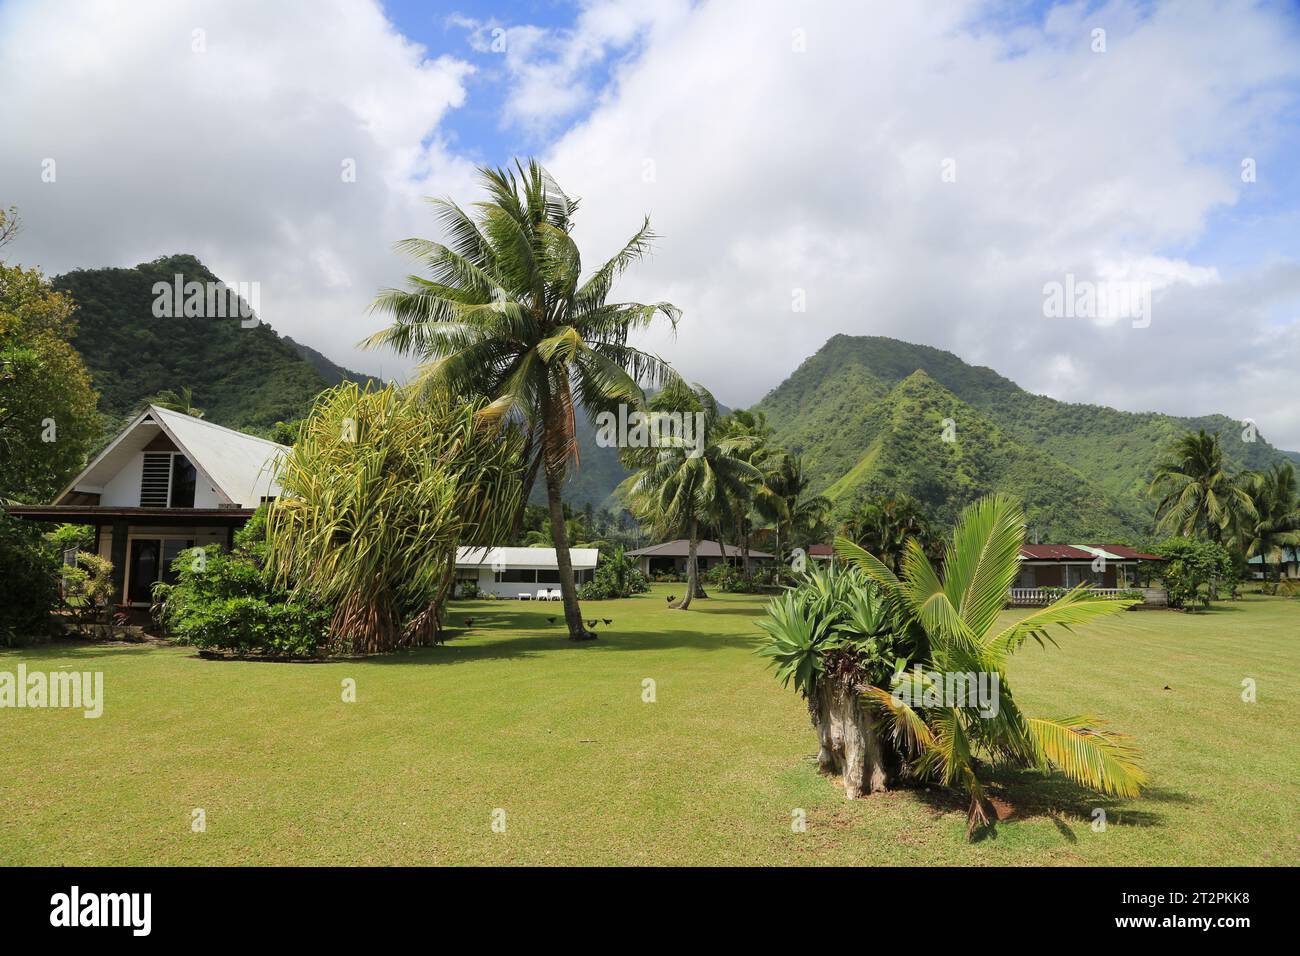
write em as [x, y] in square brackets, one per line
[510, 715]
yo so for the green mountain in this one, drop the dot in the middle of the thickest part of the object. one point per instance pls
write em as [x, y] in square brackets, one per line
[245, 378]
[331, 373]
[865, 423]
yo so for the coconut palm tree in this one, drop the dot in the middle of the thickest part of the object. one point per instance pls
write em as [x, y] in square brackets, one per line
[1199, 493]
[783, 499]
[181, 400]
[884, 525]
[679, 483]
[754, 427]
[844, 642]
[504, 313]
[1276, 521]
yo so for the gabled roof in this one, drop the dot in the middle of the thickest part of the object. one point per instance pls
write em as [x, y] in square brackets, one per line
[1082, 552]
[239, 467]
[681, 548]
[473, 557]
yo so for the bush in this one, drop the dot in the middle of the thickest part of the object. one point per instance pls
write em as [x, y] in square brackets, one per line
[1191, 567]
[730, 579]
[616, 577]
[468, 589]
[88, 585]
[226, 601]
[30, 572]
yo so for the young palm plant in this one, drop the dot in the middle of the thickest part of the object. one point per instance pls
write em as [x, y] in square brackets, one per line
[849, 651]
[378, 491]
[505, 314]
[680, 481]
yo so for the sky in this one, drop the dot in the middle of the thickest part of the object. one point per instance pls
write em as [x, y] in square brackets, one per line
[924, 171]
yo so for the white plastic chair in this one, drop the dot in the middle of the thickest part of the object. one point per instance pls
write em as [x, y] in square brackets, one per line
[542, 594]
[557, 594]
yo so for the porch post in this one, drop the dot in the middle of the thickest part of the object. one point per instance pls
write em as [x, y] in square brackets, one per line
[120, 531]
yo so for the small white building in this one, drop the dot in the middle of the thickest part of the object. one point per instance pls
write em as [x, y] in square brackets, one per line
[514, 572]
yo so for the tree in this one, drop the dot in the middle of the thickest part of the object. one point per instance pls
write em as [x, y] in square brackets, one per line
[30, 572]
[680, 482]
[1199, 493]
[754, 427]
[883, 526]
[504, 314]
[784, 499]
[178, 401]
[378, 491]
[844, 635]
[1275, 525]
[47, 406]
[1191, 568]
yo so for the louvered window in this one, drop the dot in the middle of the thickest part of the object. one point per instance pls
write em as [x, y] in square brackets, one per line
[155, 481]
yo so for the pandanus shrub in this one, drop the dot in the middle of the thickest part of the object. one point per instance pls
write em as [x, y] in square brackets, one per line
[878, 657]
[378, 491]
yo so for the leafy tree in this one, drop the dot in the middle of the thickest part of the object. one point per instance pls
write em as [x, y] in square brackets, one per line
[617, 576]
[784, 498]
[178, 401]
[30, 572]
[505, 314]
[1192, 567]
[837, 639]
[47, 407]
[1199, 492]
[883, 526]
[1275, 525]
[378, 492]
[678, 482]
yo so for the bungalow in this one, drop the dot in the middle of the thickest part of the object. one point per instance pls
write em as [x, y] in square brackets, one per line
[167, 482]
[670, 557]
[1108, 568]
[520, 572]
[1287, 568]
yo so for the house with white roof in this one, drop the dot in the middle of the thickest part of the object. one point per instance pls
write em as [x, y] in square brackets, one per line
[520, 572]
[167, 482]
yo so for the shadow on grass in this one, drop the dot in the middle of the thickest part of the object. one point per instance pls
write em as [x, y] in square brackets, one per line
[1026, 795]
[81, 649]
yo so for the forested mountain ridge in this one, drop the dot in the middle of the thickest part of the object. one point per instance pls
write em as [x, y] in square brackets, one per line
[826, 409]
[247, 378]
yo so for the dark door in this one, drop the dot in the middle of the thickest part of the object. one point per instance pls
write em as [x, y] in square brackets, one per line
[143, 562]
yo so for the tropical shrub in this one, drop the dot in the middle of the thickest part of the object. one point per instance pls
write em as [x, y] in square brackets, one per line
[228, 601]
[378, 491]
[469, 590]
[617, 576]
[30, 572]
[1191, 569]
[89, 583]
[877, 663]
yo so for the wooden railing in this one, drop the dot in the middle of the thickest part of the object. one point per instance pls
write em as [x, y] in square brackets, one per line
[1035, 596]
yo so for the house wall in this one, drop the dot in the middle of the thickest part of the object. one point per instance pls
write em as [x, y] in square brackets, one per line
[537, 578]
[202, 537]
[123, 489]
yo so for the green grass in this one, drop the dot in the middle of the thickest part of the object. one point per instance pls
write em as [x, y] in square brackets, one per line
[510, 715]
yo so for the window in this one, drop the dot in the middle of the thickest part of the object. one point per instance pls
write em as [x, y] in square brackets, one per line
[167, 480]
[150, 560]
[183, 479]
[517, 576]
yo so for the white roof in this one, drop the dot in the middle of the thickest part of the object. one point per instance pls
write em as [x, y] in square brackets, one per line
[239, 467]
[472, 557]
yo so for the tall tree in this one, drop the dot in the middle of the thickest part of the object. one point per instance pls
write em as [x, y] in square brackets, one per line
[504, 314]
[883, 526]
[1275, 525]
[680, 482]
[785, 500]
[48, 419]
[1199, 492]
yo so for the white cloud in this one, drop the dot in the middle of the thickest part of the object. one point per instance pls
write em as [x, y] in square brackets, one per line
[822, 171]
[775, 170]
[233, 152]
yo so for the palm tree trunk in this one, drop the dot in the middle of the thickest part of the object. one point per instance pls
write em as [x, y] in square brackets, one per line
[560, 538]
[744, 546]
[692, 567]
[851, 741]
